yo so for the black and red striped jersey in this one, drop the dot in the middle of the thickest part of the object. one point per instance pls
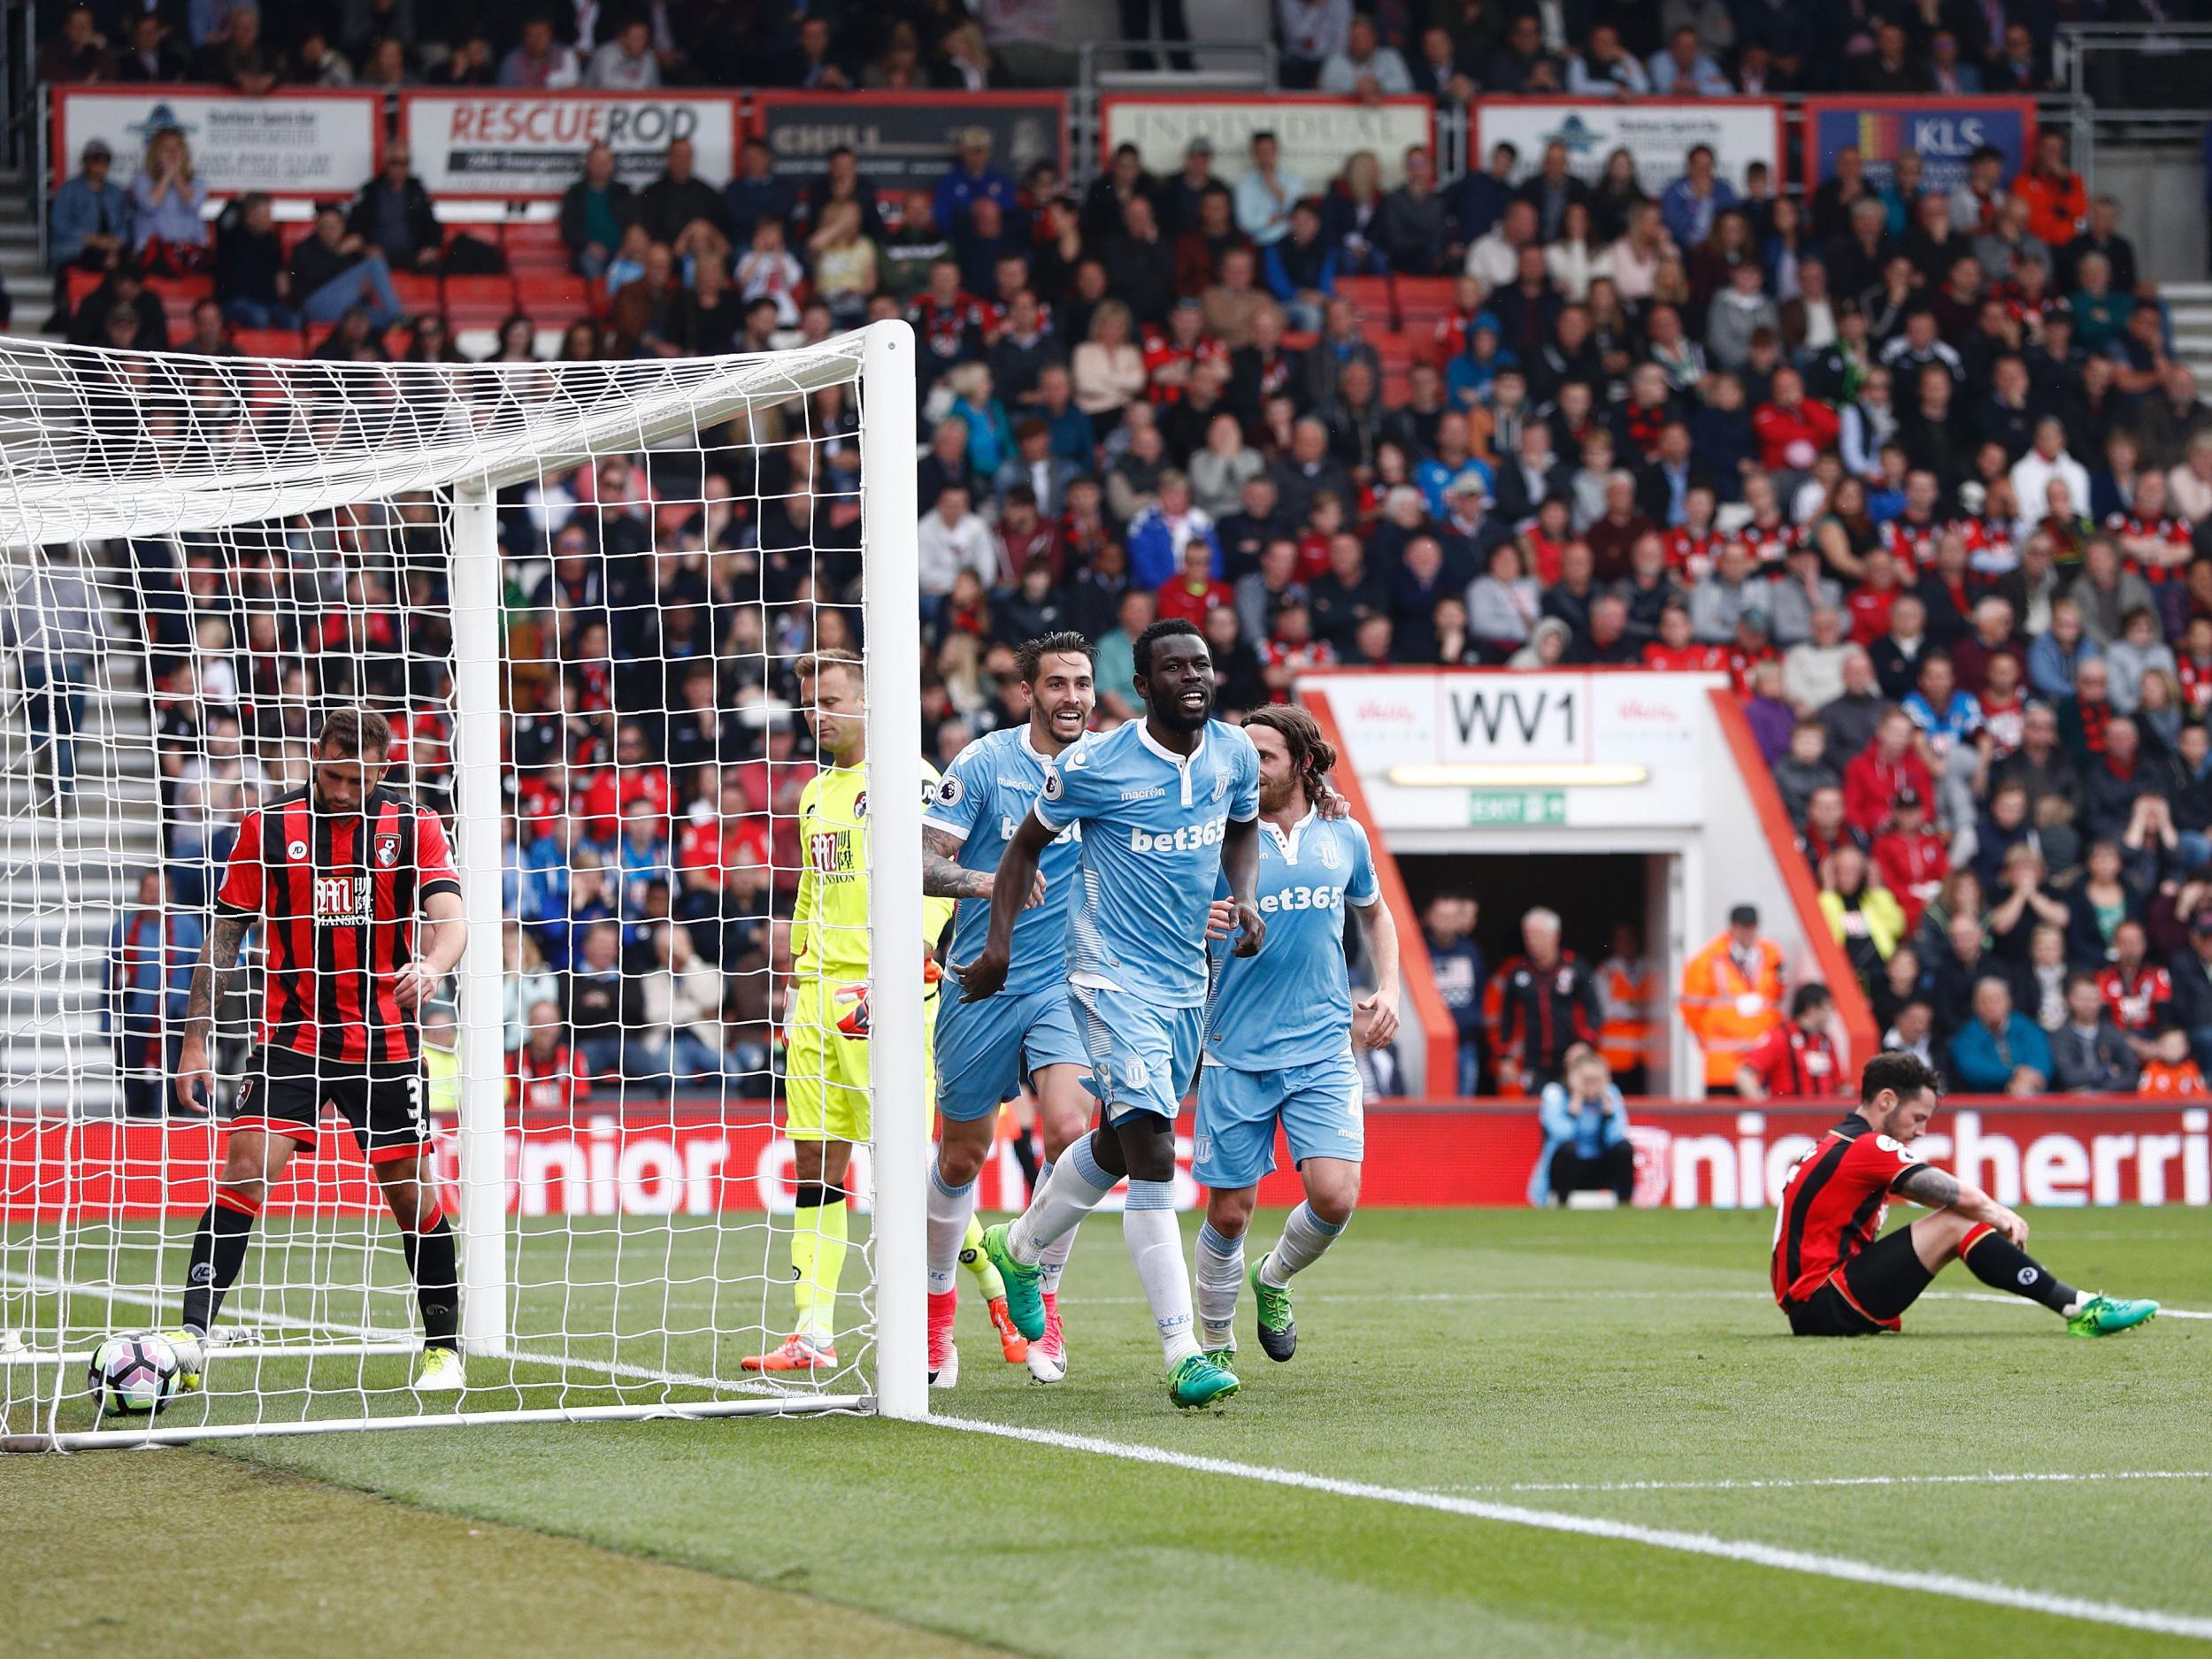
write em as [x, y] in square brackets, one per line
[337, 895]
[1833, 1205]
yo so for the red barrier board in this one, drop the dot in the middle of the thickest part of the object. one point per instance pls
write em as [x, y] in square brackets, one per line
[701, 1160]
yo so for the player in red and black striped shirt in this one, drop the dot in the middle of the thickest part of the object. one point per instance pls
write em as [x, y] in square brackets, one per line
[359, 908]
[1835, 1275]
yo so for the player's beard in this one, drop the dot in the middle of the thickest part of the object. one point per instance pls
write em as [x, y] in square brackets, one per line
[1277, 799]
[1171, 713]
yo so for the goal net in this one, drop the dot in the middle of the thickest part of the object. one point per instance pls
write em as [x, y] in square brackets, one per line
[580, 594]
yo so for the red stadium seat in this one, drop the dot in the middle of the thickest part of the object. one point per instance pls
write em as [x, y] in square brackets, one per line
[417, 293]
[270, 343]
[81, 283]
[551, 297]
[1423, 302]
[478, 302]
[535, 248]
[1372, 295]
[317, 333]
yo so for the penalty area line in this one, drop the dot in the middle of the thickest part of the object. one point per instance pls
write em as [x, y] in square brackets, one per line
[1747, 1551]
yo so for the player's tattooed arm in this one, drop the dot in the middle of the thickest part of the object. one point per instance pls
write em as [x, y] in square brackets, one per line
[1924, 1184]
[195, 1082]
[942, 877]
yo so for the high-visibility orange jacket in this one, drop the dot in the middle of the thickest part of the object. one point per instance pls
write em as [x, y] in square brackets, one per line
[1626, 993]
[1726, 1012]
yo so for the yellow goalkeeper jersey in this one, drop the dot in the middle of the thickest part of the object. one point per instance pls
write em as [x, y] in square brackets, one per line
[829, 923]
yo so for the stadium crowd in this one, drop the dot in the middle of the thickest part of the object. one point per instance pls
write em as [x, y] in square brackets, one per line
[1916, 468]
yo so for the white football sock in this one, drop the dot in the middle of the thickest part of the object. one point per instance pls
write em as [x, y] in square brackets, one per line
[950, 1208]
[1054, 1262]
[1078, 1186]
[1220, 1272]
[1149, 1227]
[1305, 1236]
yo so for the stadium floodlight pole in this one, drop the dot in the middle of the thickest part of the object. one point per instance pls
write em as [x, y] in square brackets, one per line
[890, 601]
[475, 590]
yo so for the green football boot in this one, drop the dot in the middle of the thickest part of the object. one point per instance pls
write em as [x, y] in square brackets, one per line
[1025, 1286]
[2108, 1315]
[1279, 1331]
[1200, 1381]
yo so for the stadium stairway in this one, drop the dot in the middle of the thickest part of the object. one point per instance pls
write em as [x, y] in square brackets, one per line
[2189, 306]
[29, 289]
[64, 881]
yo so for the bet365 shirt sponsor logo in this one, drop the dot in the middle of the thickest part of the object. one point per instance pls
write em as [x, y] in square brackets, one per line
[1323, 898]
[344, 901]
[1189, 839]
[1008, 825]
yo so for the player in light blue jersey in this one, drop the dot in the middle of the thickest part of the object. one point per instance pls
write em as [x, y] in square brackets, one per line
[985, 1048]
[1168, 805]
[1278, 1039]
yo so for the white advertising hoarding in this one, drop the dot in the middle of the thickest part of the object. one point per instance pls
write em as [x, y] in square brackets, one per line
[1316, 133]
[1658, 132]
[516, 145]
[1647, 731]
[310, 143]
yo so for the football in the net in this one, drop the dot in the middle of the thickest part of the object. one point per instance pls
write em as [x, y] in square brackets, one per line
[133, 1376]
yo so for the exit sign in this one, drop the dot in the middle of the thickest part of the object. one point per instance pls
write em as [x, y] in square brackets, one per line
[1516, 806]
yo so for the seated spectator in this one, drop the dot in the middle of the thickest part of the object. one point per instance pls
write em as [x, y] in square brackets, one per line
[393, 215]
[241, 57]
[88, 224]
[952, 539]
[251, 285]
[1584, 1121]
[1266, 191]
[1874, 780]
[2170, 1070]
[1913, 859]
[678, 199]
[595, 212]
[1362, 67]
[1797, 1060]
[1108, 369]
[1503, 605]
[1412, 230]
[2100, 903]
[167, 232]
[1998, 1051]
[334, 270]
[625, 62]
[149, 55]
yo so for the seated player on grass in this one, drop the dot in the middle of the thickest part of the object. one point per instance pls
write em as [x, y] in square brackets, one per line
[1278, 1044]
[1835, 1276]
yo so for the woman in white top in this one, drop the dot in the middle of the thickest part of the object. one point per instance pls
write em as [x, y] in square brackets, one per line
[1108, 369]
[2189, 485]
[1634, 258]
[1502, 603]
[1571, 262]
[1220, 472]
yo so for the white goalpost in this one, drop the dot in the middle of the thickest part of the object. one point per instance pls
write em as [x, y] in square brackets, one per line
[578, 591]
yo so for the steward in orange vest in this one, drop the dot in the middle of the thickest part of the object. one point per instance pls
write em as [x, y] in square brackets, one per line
[1628, 995]
[1732, 996]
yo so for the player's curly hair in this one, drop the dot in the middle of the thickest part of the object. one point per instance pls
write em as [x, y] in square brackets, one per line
[1166, 628]
[1030, 655]
[1907, 1073]
[1311, 755]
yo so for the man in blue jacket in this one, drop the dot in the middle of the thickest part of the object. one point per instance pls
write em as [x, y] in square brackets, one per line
[1586, 1147]
[1998, 1051]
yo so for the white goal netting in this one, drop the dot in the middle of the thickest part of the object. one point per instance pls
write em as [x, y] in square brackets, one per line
[580, 594]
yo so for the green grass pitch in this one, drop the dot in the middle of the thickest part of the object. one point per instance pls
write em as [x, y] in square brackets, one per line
[1455, 1369]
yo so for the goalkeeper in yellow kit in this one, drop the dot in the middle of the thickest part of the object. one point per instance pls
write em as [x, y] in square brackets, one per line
[826, 1032]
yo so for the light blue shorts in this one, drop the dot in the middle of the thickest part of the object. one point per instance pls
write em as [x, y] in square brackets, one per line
[984, 1048]
[1142, 1055]
[1319, 1107]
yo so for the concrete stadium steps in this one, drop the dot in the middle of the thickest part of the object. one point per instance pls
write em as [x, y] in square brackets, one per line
[2190, 305]
[30, 289]
[65, 878]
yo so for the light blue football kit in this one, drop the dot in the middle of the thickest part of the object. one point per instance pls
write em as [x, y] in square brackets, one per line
[1153, 823]
[983, 1048]
[1279, 1043]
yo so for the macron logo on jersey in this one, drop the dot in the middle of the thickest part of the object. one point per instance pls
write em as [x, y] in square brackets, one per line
[1154, 793]
[1189, 839]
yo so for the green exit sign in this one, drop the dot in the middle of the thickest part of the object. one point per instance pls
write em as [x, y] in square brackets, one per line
[1516, 806]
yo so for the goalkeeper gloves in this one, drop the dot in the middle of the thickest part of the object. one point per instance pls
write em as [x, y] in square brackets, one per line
[854, 998]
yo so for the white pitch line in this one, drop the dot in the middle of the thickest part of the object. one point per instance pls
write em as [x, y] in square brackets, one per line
[1747, 1551]
[1990, 1479]
[557, 1362]
[2164, 1312]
